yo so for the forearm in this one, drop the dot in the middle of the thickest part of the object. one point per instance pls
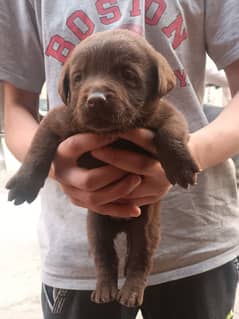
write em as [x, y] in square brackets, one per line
[19, 135]
[219, 140]
[20, 120]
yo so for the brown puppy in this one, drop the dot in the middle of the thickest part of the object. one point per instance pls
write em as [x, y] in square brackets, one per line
[113, 82]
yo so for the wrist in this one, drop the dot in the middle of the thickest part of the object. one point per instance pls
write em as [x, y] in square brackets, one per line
[195, 151]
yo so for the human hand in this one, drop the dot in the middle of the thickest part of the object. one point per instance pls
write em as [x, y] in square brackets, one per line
[96, 189]
[154, 184]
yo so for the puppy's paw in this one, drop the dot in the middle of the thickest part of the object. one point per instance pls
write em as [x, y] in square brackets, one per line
[24, 186]
[130, 296]
[181, 169]
[104, 293]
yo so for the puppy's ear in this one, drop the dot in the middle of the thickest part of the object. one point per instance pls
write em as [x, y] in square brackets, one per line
[167, 79]
[64, 84]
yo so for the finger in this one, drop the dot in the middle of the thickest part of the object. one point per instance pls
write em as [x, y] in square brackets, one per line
[90, 180]
[128, 161]
[113, 209]
[142, 137]
[76, 145]
[120, 210]
[134, 196]
[150, 188]
[107, 194]
[146, 200]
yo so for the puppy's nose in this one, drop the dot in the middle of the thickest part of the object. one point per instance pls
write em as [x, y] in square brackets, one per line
[96, 99]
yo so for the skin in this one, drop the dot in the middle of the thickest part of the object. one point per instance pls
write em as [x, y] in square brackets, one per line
[129, 180]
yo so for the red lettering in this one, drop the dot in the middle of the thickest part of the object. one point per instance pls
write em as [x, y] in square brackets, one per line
[135, 12]
[59, 49]
[154, 8]
[181, 76]
[176, 28]
[111, 13]
[80, 24]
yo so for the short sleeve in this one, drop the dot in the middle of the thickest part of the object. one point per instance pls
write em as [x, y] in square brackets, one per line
[21, 54]
[222, 31]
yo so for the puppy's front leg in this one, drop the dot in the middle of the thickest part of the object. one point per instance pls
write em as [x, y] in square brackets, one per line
[171, 138]
[26, 183]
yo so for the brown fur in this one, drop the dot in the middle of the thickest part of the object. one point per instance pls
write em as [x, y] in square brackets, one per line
[113, 82]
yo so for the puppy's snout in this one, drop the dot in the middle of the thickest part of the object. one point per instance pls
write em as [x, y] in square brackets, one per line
[96, 99]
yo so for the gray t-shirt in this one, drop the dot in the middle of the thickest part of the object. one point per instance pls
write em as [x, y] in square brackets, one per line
[200, 226]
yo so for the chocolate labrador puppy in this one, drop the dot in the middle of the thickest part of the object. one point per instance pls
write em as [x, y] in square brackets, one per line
[112, 82]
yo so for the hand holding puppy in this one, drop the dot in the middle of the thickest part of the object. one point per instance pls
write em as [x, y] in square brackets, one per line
[118, 189]
[97, 188]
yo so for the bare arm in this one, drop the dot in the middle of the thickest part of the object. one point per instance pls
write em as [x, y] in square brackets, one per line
[219, 140]
[20, 118]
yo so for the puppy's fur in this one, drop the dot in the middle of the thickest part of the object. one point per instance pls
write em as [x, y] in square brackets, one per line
[113, 81]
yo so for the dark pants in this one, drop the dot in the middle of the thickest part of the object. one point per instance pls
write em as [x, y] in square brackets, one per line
[209, 295]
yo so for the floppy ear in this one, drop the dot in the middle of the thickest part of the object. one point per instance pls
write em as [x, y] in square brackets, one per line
[167, 79]
[64, 84]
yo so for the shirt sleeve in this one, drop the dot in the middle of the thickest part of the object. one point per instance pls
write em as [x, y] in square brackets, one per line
[21, 54]
[222, 31]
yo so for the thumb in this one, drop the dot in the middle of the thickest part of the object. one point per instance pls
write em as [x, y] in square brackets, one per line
[76, 145]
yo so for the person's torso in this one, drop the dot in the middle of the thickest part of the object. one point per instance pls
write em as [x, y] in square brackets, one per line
[197, 224]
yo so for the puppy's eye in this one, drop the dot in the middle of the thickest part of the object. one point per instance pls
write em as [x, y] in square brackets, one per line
[129, 75]
[77, 77]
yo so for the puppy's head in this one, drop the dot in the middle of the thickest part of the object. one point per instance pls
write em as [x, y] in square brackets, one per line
[112, 79]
